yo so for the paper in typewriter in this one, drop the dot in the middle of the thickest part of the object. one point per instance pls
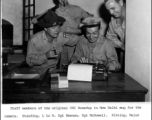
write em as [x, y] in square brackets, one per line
[80, 72]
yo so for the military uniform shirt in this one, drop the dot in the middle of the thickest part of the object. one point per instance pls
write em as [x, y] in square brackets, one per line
[103, 51]
[73, 15]
[38, 46]
[116, 33]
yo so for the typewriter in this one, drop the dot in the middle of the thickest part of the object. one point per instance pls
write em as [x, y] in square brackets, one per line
[99, 72]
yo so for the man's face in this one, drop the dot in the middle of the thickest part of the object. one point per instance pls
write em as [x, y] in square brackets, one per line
[53, 31]
[63, 2]
[92, 33]
[114, 8]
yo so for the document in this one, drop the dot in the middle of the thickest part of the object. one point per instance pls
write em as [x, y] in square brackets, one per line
[80, 72]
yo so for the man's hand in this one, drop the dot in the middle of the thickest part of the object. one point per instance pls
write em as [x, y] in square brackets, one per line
[34, 20]
[49, 54]
[57, 52]
[84, 60]
[53, 54]
[104, 62]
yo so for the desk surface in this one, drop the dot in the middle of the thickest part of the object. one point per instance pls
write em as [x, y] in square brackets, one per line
[119, 88]
[117, 83]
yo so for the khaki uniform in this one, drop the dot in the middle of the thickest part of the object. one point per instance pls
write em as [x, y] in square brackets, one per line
[73, 15]
[38, 46]
[103, 51]
[116, 33]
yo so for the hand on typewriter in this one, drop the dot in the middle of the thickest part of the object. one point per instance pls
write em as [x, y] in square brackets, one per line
[84, 60]
[102, 62]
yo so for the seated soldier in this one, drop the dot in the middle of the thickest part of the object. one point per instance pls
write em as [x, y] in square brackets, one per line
[73, 15]
[94, 47]
[44, 47]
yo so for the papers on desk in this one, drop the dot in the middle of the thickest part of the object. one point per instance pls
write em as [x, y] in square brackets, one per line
[63, 82]
[80, 72]
[25, 76]
[58, 81]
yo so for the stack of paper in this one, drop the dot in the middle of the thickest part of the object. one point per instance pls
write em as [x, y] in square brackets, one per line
[58, 81]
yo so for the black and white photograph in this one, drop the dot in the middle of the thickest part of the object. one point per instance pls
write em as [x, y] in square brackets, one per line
[76, 59]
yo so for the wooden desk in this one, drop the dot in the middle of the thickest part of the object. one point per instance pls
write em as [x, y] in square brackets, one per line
[119, 88]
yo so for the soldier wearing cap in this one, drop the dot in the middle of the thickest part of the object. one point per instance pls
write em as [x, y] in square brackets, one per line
[116, 30]
[94, 47]
[73, 15]
[44, 47]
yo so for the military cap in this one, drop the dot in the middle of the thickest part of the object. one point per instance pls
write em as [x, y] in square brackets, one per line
[50, 19]
[91, 21]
